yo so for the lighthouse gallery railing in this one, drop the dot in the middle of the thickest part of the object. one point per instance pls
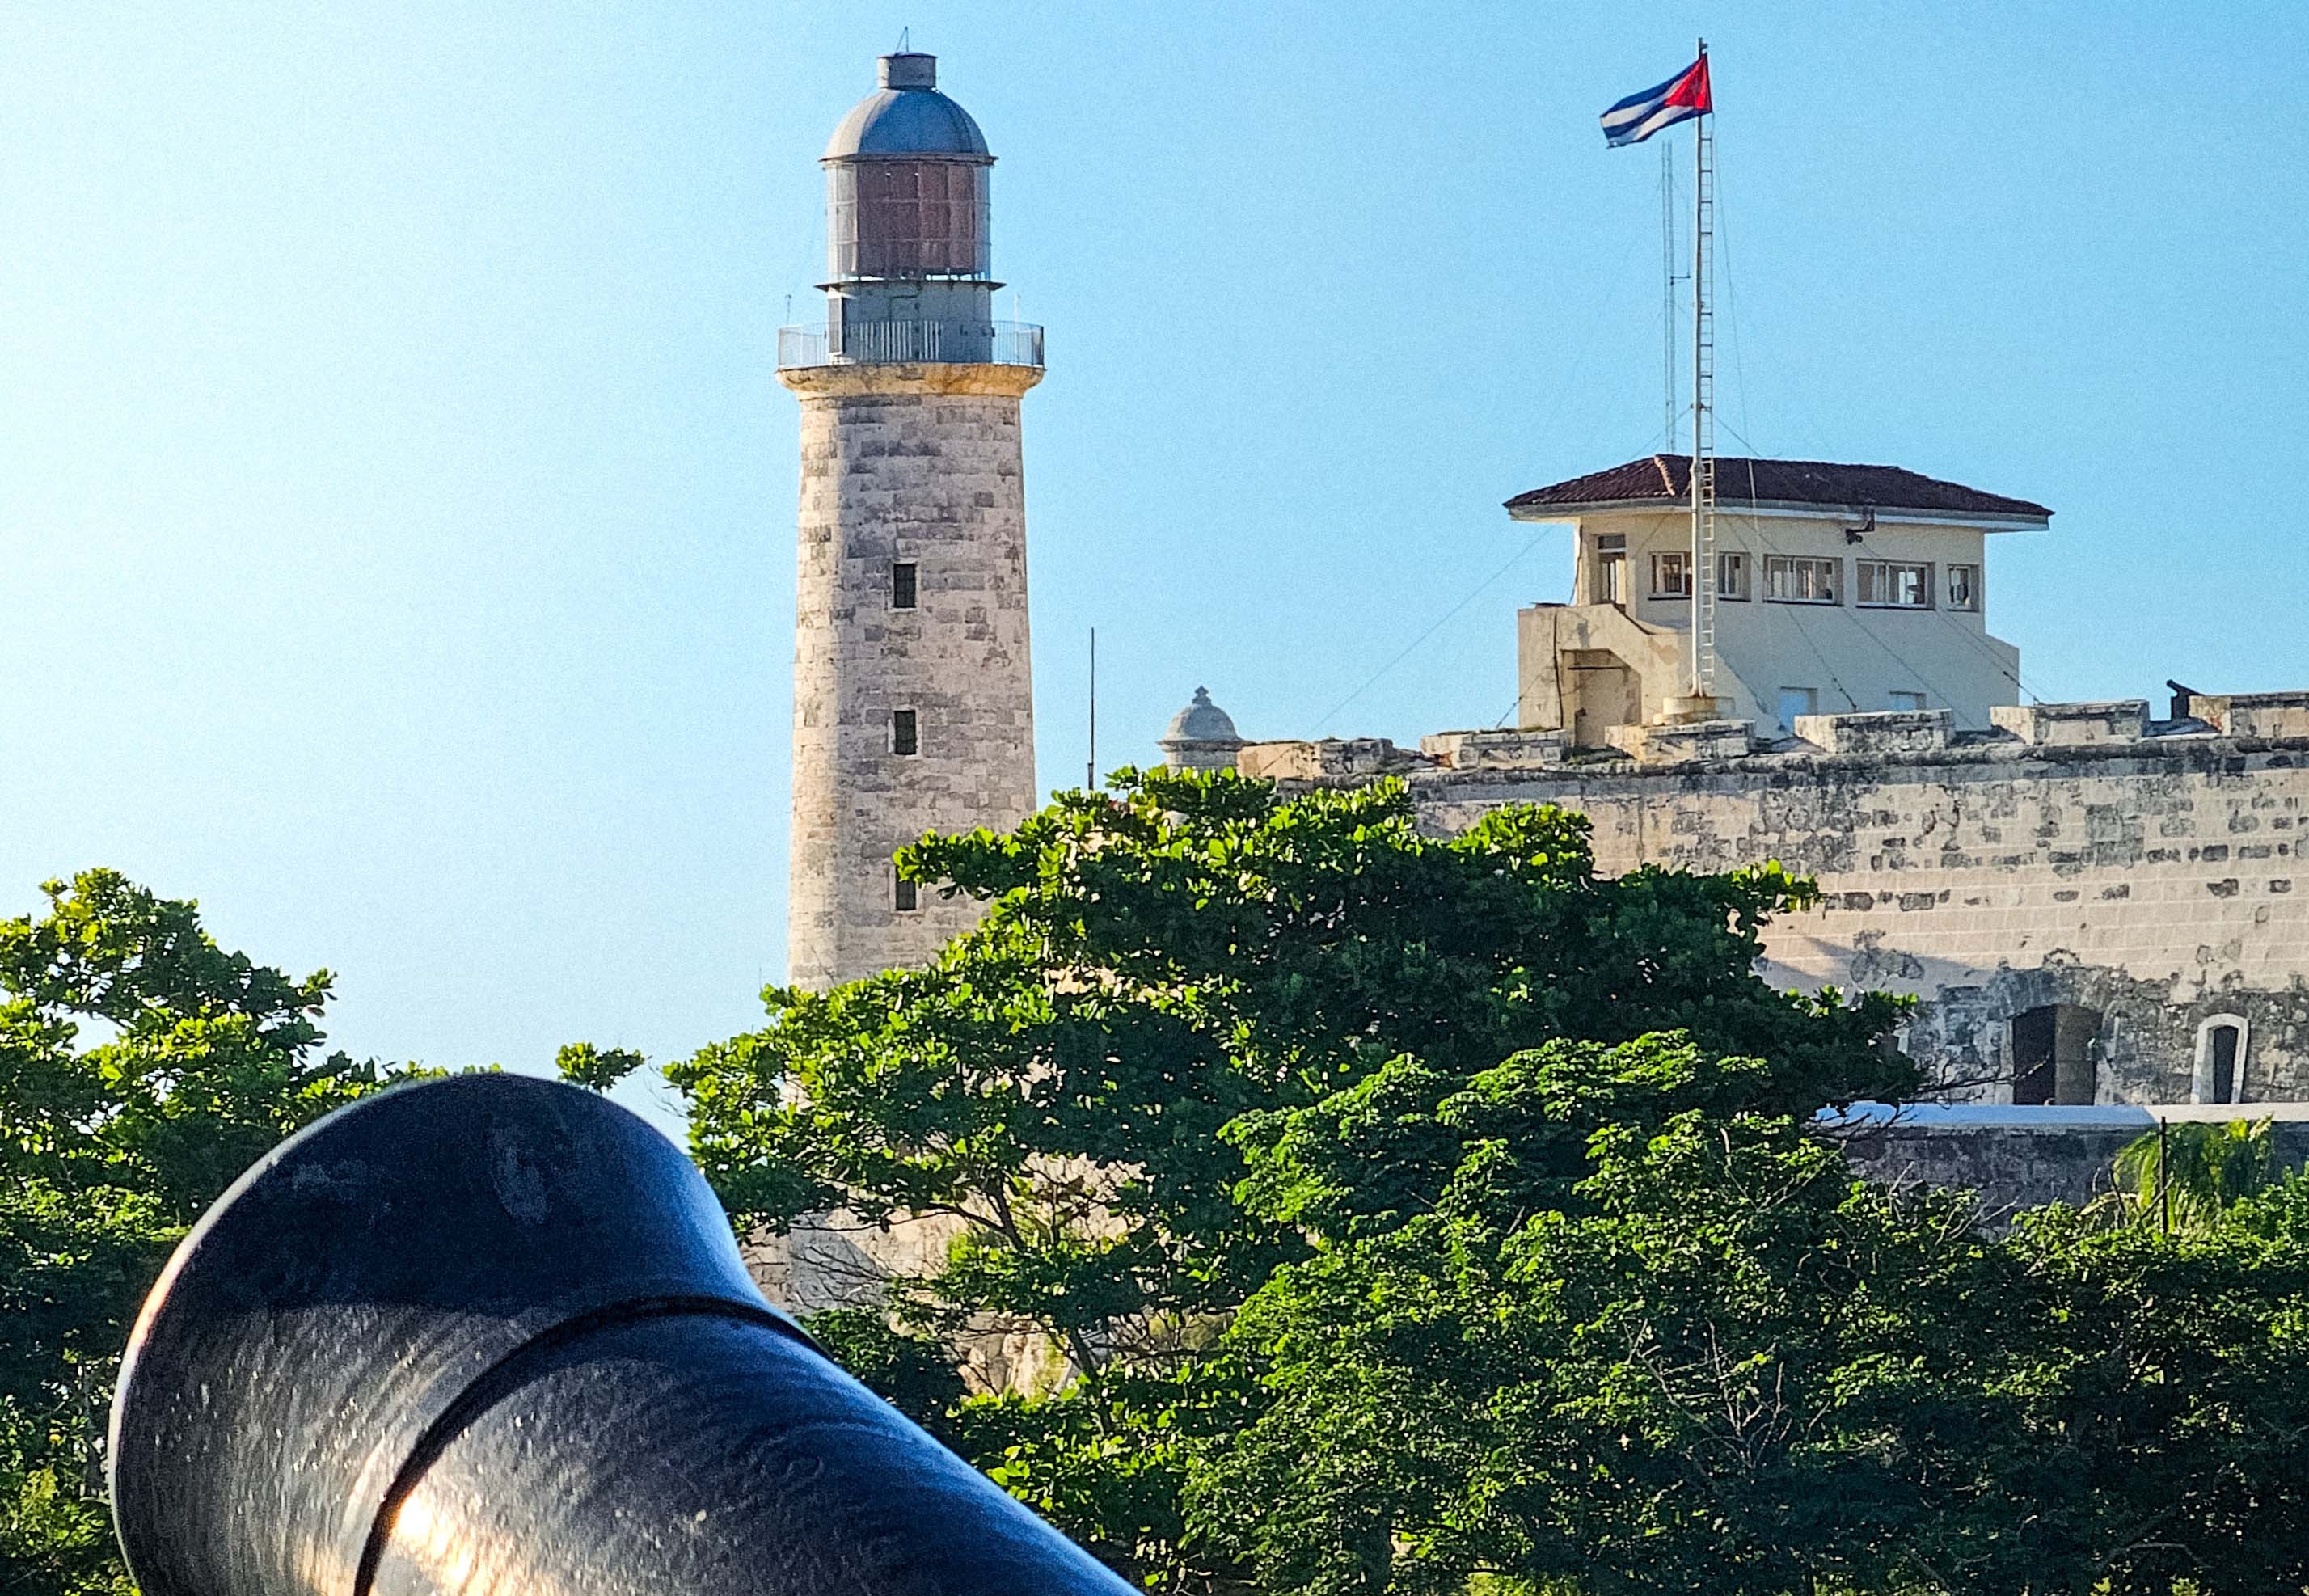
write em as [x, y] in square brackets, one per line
[899, 342]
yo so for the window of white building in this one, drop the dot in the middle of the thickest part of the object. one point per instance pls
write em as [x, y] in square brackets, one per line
[1895, 584]
[1671, 575]
[1731, 576]
[1964, 588]
[905, 733]
[904, 584]
[1789, 579]
[1611, 568]
[905, 896]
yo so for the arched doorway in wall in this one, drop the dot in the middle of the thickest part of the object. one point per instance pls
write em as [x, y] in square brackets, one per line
[2219, 1075]
[2053, 1054]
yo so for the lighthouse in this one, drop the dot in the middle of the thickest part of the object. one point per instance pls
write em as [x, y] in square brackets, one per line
[914, 702]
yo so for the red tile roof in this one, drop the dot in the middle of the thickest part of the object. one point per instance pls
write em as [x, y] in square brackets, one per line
[1666, 480]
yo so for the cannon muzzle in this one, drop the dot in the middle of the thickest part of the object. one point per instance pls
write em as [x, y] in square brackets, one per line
[491, 1335]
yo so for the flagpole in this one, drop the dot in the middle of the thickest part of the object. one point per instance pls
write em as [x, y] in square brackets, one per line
[1668, 283]
[1703, 431]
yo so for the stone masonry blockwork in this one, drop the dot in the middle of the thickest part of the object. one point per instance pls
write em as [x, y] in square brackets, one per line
[919, 464]
[2156, 882]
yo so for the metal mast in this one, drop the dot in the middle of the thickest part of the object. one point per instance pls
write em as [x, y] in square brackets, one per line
[1668, 282]
[1703, 408]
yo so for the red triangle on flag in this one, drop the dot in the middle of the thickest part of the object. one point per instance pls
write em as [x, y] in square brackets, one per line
[1692, 89]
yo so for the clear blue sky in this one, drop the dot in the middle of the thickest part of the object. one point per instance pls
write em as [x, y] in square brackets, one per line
[396, 499]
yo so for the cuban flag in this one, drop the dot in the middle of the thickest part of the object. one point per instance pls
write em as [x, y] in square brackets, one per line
[1679, 100]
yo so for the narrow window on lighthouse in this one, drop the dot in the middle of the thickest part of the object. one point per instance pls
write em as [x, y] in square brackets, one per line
[904, 584]
[904, 738]
[907, 898]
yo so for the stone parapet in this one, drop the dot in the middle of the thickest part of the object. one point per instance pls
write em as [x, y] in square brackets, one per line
[2073, 726]
[1890, 733]
[1685, 743]
[1329, 758]
[2278, 716]
[1494, 750]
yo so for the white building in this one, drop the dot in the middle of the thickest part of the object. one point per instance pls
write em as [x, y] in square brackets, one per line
[1839, 589]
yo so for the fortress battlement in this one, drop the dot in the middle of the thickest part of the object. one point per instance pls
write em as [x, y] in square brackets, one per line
[2090, 905]
[2211, 727]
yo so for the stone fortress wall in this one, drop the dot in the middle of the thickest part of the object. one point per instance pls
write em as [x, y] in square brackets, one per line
[2080, 880]
[2013, 1158]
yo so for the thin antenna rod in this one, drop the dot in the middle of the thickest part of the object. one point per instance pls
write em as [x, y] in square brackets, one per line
[1089, 779]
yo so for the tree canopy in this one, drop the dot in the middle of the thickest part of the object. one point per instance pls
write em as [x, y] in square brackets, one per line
[1195, 987]
[1715, 1360]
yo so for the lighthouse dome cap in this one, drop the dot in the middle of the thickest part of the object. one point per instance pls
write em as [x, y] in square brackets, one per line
[907, 117]
[1202, 721]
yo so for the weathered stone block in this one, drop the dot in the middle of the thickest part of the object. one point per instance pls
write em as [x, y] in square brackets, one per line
[1878, 732]
[1494, 750]
[2070, 726]
[1328, 758]
[2254, 715]
[1685, 743]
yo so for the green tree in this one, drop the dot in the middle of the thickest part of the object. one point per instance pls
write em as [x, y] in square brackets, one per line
[2160, 1385]
[142, 1069]
[2186, 1177]
[1703, 1356]
[1666, 1354]
[1157, 965]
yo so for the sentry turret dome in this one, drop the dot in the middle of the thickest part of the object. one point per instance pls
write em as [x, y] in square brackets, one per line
[908, 117]
[907, 191]
[1201, 737]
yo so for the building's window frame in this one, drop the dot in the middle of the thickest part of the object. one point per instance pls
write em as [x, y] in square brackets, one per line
[1664, 562]
[1733, 571]
[1969, 604]
[905, 896]
[1610, 577]
[905, 733]
[2200, 1077]
[1881, 574]
[905, 584]
[1917, 701]
[1812, 700]
[1816, 573]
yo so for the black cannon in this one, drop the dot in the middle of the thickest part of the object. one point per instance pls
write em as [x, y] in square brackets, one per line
[491, 1335]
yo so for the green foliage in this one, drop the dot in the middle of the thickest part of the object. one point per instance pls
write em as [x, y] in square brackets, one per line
[142, 1069]
[1169, 977]
[1673, 1365]
[2185, 1176]
[1722, 1364]
[581, 1064]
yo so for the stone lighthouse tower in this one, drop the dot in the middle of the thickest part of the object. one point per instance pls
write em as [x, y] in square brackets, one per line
[914, 708]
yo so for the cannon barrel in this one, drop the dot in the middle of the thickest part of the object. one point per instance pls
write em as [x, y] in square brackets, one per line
[492, 1335]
